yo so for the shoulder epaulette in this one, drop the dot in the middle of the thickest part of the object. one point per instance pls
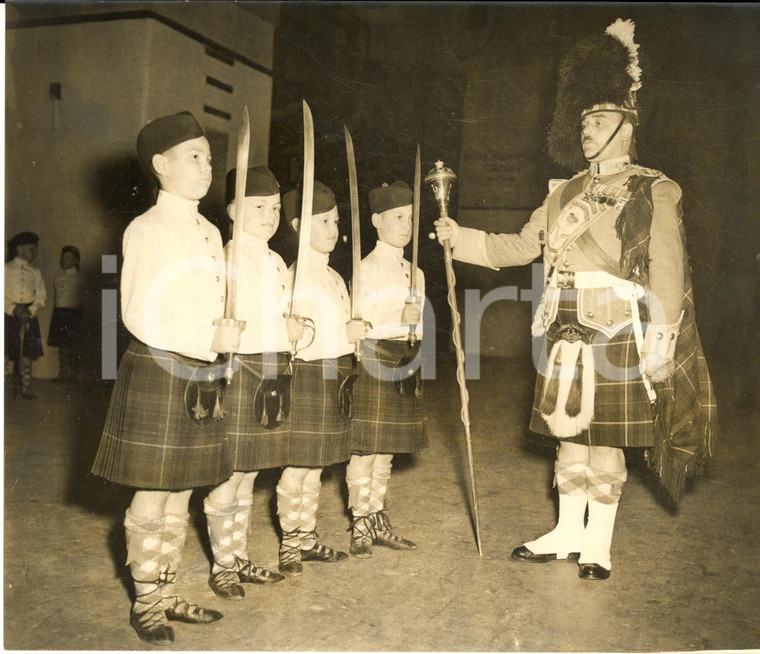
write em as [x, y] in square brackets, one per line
[648, 172]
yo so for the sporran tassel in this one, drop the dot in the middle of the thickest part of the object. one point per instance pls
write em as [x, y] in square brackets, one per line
[551, 389]
[264, 415]
[280, 411]
[573, 405]
[198, 409]
[218, 413]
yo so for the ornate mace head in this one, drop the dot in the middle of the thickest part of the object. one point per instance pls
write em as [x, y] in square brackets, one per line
[441, 179]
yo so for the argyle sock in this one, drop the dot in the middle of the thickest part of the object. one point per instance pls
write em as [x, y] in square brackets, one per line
[604, 489]
[240, 528]
[220, 521]
[358, 480]
[289, 500]
[175, 532]
[381, 473]
[312, 484]
[567, 535]
[144, 560]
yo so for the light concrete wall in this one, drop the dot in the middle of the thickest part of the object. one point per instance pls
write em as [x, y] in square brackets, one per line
[64, 158]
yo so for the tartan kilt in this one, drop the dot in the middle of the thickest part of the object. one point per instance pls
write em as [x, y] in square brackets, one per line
[252, 446]
[318, 435]
[382, 421]
[149, 441]
[32, 339]
[66, 328]
[622, 411]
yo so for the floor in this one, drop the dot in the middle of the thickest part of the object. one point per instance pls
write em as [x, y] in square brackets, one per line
[683, 579]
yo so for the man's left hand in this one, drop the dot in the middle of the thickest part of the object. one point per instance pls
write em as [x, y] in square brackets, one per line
[657, 368]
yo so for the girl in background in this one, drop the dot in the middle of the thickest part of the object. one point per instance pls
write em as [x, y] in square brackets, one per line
[67, 322]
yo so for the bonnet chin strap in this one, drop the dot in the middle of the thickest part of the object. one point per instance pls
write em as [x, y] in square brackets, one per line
[612, 136]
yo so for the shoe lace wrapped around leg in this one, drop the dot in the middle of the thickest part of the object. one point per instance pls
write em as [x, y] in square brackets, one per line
[290, 552]
[152, 617]
[363, 529]
[384, 528]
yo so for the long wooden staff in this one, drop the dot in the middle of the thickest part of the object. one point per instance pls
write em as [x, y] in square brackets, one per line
[441, 179]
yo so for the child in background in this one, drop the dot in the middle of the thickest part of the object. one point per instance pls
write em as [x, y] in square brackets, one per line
[67, 323]
[25, 295]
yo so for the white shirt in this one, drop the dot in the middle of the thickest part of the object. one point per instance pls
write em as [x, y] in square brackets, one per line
[69, 286]
[325, 300]
[23, 284]
[264, 290]
[385, 280]
[173, 282]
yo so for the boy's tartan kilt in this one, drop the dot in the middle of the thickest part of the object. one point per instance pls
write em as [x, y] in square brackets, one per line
[383, 421]
[149, 441]
[318, 435]
[252, 446]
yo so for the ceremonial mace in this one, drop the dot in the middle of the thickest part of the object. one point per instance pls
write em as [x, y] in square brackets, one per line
[441, 179]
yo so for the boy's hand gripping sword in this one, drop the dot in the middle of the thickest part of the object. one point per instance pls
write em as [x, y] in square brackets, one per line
[346, 387]
[304, 229]
[441, 179]
[233, 262]
[407, 377]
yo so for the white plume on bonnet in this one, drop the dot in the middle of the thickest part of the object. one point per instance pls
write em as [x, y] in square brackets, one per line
[623, 31]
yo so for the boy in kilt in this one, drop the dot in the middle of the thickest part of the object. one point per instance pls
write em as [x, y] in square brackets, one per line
[383, 421]
[25, 295]
[319, 436]
[258, 400]
[621, 364]
[163, 435]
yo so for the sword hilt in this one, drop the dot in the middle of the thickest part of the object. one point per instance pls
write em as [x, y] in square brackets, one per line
[412, 338]
[229, 357]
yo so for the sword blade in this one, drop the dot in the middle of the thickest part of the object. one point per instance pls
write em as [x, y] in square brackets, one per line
[356, 250]
[241, 173]
[416, 221]
[412, 338]
[304, 232]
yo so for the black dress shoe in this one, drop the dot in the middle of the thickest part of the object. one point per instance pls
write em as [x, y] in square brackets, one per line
[291, 568]
[226, 585]
[151, 627]
[387, 537]
[250, 573]
[290, 560]
[522, 553]
[323, 554]
[182, 611]
[593, 571]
